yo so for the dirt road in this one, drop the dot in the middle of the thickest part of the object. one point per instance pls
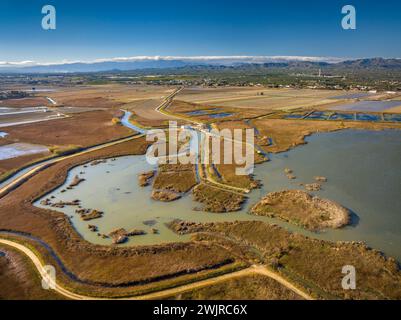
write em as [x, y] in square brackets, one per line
[258, 269]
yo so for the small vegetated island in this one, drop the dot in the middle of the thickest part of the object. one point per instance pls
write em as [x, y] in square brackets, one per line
[304, 209]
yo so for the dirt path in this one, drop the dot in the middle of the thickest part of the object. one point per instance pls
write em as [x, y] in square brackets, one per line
[156, 295]
[258, 269]
[162, 110]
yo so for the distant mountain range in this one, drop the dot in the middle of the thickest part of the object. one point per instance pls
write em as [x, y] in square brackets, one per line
[140, 63]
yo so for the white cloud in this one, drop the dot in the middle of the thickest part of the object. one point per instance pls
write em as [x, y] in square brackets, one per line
[16, 63]
[209, 59]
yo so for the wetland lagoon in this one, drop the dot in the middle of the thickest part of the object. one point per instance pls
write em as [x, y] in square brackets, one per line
[363, 169]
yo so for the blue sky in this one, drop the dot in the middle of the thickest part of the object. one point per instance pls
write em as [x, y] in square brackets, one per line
[88, 30]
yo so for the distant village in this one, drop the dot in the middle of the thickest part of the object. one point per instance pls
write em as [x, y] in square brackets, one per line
[13, 94]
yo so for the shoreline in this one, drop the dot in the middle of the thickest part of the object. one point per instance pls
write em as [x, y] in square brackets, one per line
[62, 227]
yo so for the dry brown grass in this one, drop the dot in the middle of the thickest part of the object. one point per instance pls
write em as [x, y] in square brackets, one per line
[290, 133]
[82, 129]
[313, 264]
[217, 200]
[252, 287]
[18, 278]
[182, 107]
[177, 178]
[108, 95]
[251, 97]
[9, 165]
[181, 181]
[229, 177]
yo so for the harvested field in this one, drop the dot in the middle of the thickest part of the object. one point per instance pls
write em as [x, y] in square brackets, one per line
[258, 98]
[303, 209]
[107, 96]
[208, 113]
[145, 110]
[25, 102]
[20, 117]
[82, 129]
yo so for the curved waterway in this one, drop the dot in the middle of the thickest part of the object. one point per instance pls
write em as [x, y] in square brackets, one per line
[124, 121]
[363, 170]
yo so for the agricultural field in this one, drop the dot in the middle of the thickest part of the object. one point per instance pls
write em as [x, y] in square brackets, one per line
[259, 98]
[109, 96]
[75, 117]
[24, 102]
